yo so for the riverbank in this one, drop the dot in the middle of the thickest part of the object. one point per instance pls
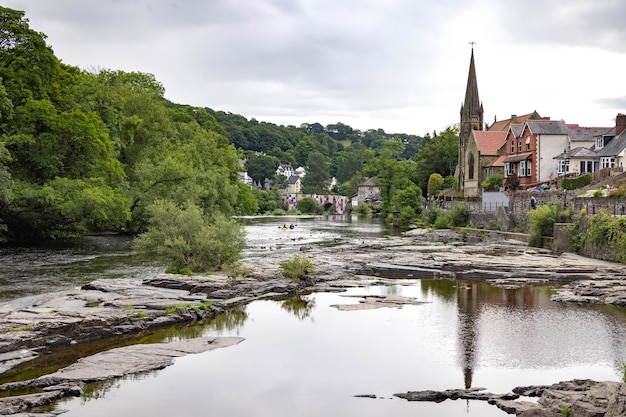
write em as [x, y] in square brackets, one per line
[111, 309]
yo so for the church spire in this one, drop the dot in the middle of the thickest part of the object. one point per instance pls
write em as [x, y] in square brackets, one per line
[472, 103]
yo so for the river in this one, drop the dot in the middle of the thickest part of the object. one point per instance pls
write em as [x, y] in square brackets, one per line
[305, 357]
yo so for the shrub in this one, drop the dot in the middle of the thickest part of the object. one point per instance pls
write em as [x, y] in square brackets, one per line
[297, 268]
[189, 240]
[307, 205]
[442, 221]
[363, 210]
[598, 193]
[493, 182]
[406, 217]
[279, 212]
[542, 222]
[431, 214]
[575, 183]
[459, 215]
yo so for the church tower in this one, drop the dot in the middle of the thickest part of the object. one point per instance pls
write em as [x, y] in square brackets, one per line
[471, 119]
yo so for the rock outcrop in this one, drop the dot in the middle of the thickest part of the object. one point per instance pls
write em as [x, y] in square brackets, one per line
[579, 398]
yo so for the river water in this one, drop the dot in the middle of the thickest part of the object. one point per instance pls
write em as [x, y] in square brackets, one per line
[305, 357]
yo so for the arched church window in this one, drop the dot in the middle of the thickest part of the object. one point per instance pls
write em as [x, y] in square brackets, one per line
[470, 164]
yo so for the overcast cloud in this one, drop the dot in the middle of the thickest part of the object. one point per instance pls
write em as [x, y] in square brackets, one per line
[399, 65]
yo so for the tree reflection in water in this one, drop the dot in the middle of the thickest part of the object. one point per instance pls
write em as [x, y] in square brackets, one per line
[300, 306]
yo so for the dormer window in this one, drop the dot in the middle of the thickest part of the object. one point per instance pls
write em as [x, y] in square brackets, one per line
[512, 146]
[600, 142]
[519, 147]
[527, 143]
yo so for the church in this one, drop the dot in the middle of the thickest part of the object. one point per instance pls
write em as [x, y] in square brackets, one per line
[480, 149]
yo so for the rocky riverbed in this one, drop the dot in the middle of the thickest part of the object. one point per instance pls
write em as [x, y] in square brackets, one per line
[109, 309]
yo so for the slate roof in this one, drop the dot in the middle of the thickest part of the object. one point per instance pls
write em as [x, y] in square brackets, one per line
[517, 130]
[547, 127]
[614, 147]
[489, 142]
[585, 134]
[580, 152]
[293, 179]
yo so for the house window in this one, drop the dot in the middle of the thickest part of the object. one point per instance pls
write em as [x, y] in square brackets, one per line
[519, 146]
[600, 142]
[607, 162]
[586, 166]
[524, 168]
[528, 143]
[509, 169]
[512, 146]
[563, 166]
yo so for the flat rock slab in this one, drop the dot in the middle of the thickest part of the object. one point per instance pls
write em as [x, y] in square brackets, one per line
[132, 359]
[369, 302]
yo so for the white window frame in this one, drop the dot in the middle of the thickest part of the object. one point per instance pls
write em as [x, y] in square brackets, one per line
[607, 162]
[528, 143]
[600, 142]
[563, 166]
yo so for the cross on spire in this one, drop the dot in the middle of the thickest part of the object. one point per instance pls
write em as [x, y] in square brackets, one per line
[472, 43]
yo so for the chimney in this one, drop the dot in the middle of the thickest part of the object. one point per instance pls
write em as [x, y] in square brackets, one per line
[620, 123]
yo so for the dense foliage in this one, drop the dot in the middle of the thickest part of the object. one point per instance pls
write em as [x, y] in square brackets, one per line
[90, 151]
[598, 232]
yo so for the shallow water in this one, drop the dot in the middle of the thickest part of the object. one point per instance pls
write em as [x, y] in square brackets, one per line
[304, 357]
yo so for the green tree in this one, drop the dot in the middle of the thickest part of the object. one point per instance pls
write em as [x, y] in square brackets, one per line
[188, 239]
[317, 174]
[307, 205]
[269, 200]
[435, 182]
[28, 67]
[247, 204]
[437, 155]
[260, 168]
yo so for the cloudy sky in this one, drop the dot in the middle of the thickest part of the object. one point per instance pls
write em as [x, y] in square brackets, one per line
[399, 65]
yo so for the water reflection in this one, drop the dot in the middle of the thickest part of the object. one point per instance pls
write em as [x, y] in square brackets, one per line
[299, 306]
[229, 320]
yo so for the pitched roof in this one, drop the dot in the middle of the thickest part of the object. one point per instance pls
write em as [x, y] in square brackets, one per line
[518, 157]
[489, 142]
[580, 152]
[498, 162]
[615, 146]
[370, 182]
[294, 179]
[585, 134]
[517, 120]
[547, 127]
